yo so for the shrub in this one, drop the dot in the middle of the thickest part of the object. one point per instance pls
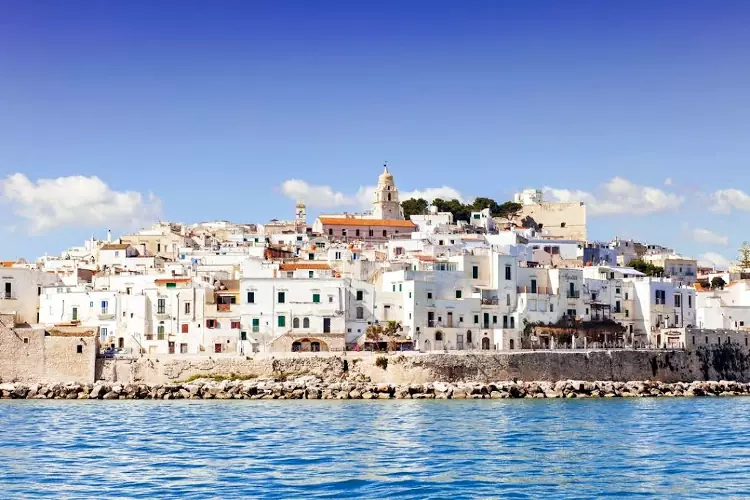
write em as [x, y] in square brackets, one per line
[381, 362]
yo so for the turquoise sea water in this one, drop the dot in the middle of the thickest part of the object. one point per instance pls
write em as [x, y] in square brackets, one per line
[649, 448]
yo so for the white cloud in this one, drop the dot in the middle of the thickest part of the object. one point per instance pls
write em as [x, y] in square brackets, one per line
[322, 196]
[724, 200]
[713, 259]
[312, 195]
[76, 201]
[707, 236]
[620, 196]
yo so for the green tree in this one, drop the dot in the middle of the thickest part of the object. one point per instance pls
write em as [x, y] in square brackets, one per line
[646, 268]
[414, 206]
[744, 261]
[718, 282]
[509, 211]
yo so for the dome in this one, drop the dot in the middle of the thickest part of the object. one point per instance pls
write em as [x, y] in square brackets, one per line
[386, 177]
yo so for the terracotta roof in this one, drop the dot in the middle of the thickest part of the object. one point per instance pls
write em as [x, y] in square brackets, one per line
[303, 265]
[7, 263]
[347, 221]
[700, 287]
[164, 281]
[115, 246]
[427, 258]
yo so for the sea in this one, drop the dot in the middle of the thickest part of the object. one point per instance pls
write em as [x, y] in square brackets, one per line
[630, 448]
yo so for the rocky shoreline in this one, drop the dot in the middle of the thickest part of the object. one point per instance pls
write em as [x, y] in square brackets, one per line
[311, 387]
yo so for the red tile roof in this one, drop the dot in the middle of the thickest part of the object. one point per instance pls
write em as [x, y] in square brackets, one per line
[303, 265]
[347, 221]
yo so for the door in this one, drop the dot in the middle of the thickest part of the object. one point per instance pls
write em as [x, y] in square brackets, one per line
[430, 319]
[121, 343]
[75, 314]
[450, 320]
[256, 325]
[533, 286]
[326, 325]
[8, 290]
[459, 341]
[571, 290]
[486, 343]
[486, 322]
[171, 348]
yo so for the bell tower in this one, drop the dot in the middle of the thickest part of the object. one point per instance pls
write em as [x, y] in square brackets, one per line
[386, 204]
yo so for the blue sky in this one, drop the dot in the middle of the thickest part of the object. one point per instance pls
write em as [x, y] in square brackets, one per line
[194, 111]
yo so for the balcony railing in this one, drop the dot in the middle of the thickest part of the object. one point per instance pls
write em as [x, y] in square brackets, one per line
[574, 294]
[490, 302]
[106, 315]
[8, 296]
[539, 290]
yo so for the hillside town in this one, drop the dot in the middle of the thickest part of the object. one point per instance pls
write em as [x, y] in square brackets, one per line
[417, 276]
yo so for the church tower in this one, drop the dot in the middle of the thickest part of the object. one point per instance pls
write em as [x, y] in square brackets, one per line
[386, 204]
[300, 216]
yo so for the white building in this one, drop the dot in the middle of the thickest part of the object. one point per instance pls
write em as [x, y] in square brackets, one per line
[20, 290]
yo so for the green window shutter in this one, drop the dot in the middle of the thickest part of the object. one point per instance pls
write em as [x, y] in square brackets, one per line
[171, 285]
[282, 320]
[394, 287]
[282, 296]
[316, 298]
[399, 287]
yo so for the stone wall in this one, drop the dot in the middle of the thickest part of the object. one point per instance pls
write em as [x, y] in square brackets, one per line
[725, 362]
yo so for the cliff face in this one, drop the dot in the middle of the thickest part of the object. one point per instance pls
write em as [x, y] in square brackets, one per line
[725, 362]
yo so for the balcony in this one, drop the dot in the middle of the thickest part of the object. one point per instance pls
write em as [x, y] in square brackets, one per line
[105, 314]
[224, 307]
[490, 302]
[7, 296]
[162, 314]
[574, 294]
[538, 290]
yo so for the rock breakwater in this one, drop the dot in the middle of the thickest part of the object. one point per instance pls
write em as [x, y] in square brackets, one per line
[311, 387]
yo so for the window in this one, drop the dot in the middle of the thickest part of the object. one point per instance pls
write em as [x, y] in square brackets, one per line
[330, 232]
[310, 274]
[690, 301]
[512, 322]
[330, 299]
[400, 287]
[305, 322]
[706, 340]
[551, 307]
[474, 275]
[26, 340]
[103, 332]
[256, 325]
[617, 290]
[385, 233]
[281, 297]
[282, 321]
[217, 348]
[251, 297]
[161, 306]
[693, 339]
[507, 272]
[38, 290]
[507, 300]
[562, 224]
[75, 314]
[371, 232]
[360, 295]
[505, 321]
[243, 335]
[476, 319]
[409, 294]
[160, 332]
[185, 328]
[438, 336]
[295, 323]
[183, 348]
[627, 313]
[394, 287]
[187, 307]
[429, 295]
[360, 313]
[311, 256]
[343, 232]
[79, 349]
[210, 323]
[316, 298]
[357, 232]
[234, 325]
[460, 319]
[172, 285]
[494, 320]
[626, 295]
[617, 306]
[458, 294]
[677, 300]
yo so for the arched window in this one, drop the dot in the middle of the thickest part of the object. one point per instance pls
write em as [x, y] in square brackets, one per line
[468, 337]
[511, 344]
[315, 346]
[295, 323]
[438, 336]
[296, 347]
[306, 323]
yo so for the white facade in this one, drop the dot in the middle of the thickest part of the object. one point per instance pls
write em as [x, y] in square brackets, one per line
[20, 290]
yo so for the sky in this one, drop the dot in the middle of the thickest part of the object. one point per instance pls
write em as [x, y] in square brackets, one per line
[117, 114]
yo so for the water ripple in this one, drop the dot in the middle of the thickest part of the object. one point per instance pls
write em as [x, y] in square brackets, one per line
[687, 448]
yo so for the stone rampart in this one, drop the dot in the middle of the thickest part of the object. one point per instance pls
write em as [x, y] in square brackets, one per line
[717, 362]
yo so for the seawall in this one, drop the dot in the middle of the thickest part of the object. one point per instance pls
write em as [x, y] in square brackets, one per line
[716, 362]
